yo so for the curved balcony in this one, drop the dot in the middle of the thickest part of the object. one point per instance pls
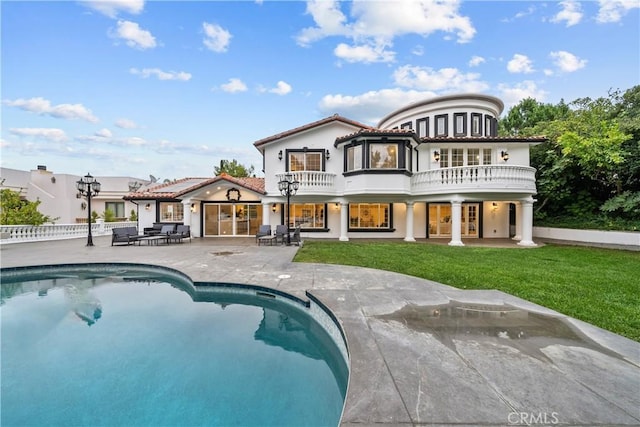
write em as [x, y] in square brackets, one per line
[476, 179]
[312, 182]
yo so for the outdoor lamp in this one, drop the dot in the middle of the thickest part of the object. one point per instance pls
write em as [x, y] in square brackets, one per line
[436, 156]
[88, 187]
[288, 187]
[280, 155]
[504, 155]
[326, 154]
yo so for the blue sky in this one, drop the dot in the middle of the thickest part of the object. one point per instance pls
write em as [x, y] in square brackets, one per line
[169, 88]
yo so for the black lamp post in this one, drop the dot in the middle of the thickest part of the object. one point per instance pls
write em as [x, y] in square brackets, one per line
[288, 187]
[88, 187]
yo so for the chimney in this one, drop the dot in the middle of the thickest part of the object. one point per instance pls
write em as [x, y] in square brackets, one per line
[42, 167]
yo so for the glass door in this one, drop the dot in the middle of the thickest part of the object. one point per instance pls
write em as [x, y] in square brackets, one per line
[231, 219]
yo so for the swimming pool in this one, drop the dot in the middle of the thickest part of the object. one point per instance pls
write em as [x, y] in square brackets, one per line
[135, 345]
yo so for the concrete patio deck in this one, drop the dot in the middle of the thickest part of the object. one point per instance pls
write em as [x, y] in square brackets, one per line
[422, 353]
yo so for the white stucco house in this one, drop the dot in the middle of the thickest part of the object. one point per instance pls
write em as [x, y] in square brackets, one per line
[432, 169]
[58, 193]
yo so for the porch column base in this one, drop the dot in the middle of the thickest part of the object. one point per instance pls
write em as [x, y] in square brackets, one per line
[456, 243]
[343, 239]
[409, 239]
[527, 243]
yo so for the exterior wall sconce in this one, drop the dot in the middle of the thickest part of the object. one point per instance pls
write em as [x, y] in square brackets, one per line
[280, 155]
[494, 206]
[273, 208]
[193, 207]
[436, 156]
[147, 207]
[326, 154]
[337, 205]
[504, 155]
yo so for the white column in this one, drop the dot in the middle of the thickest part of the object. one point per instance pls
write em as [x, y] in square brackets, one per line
[518, 235]
[527, 223]
[456, 223]
[409, 233]
[344, 221]
[265, 214]
[186, 212]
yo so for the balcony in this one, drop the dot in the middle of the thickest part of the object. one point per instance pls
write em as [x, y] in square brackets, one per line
[312, 182]
[475, 179]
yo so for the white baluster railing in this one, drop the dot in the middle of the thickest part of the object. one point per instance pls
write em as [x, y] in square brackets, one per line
[35, 233]
[474, 177]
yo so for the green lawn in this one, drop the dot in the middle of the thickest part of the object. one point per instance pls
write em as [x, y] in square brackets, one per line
[599, 286]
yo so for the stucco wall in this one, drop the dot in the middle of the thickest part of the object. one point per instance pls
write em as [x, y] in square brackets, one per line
[628, 239]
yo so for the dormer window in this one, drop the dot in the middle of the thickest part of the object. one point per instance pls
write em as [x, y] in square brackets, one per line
[460, 120]
[441, 125]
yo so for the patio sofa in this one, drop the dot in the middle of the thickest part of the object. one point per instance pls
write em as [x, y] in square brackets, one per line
[124, 235]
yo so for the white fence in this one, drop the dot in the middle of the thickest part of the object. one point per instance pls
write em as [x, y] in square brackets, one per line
[34, 233]
[624, 239]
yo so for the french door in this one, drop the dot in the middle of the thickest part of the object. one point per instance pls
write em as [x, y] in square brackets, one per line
[440, 220]
[231, 219]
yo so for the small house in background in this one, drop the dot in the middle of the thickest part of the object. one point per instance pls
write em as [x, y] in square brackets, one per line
[58, 193]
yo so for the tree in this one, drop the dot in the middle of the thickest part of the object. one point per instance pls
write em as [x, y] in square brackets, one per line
[234, 169]
[589, 167]
[16, 211]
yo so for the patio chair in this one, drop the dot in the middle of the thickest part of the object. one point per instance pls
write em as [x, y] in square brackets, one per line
[281, 233]
[296, 237]
[182, 232]
[263, 230]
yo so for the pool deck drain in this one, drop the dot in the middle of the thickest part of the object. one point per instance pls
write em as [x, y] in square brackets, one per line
[411, 364]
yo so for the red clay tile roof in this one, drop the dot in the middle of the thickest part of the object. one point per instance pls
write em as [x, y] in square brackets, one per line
[335, 117]
[377, 133]
[180, 187]
[530, 139]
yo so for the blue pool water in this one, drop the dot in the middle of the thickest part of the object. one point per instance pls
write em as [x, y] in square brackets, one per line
[123, 349]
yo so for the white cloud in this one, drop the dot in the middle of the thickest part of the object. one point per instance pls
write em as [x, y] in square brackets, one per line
[234, 85]
[476, 60]
[567, 62]
[418, 50]
[51, 134]
[375, 24]
[571, 13]
[216, 38]
[282, 88]
[511, 95]
[133, 35]
[111, 8]
[103, 133]
[530, 10]
[161, 75]
[364, 53]
[371, 106]
[442, 80]
[520, 64]
[126, 124]
[61, 111]
[614, 10]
